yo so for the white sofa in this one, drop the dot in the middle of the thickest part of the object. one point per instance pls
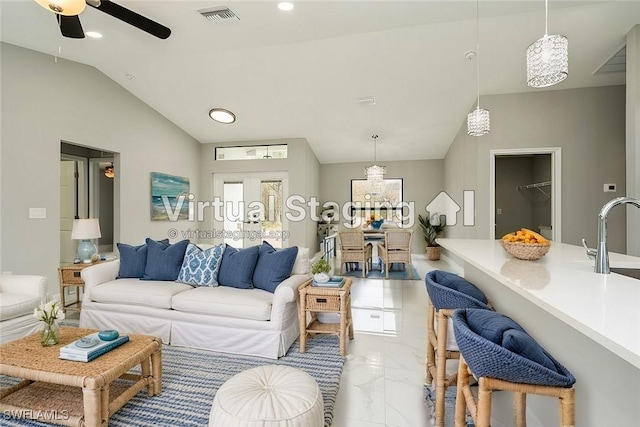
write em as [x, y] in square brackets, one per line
[225, 319]
[19, 296]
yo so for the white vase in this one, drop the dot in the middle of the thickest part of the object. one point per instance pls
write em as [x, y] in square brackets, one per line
[321, 277]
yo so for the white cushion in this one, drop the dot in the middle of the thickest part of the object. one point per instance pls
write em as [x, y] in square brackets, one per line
[270, 395]
[301, 265]
[254, 304]
[149, 293]
[14, 305]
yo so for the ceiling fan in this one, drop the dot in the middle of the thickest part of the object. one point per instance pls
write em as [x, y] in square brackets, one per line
[67, 12]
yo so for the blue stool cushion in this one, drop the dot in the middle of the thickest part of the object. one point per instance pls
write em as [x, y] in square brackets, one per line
[521, 363]
[460, 284]
[490, 325]
[521, 343]
[450, 291]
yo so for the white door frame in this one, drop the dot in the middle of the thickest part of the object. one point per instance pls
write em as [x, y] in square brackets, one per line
[219, 178]
[556, 185]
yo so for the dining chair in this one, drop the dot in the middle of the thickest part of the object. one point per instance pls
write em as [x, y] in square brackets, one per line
[354, 249]
[396, 248]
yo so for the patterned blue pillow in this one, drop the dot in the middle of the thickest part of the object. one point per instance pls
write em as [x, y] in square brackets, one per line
[164, 262]
[200, 267]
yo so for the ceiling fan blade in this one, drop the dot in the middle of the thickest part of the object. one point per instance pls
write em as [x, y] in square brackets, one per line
[133, 18]
[70, 26]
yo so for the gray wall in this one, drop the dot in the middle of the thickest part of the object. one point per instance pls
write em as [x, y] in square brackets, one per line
[45, 102]
[301, 165]
[633, 138]
[422, 181]
[589, 125]
[516, 205]
[526, 207]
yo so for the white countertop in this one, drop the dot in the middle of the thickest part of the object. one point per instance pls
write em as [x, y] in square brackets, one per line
[604, 307]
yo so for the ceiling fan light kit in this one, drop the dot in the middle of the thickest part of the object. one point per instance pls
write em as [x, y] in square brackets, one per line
[63, 7]
[67, 12]
[547, 58]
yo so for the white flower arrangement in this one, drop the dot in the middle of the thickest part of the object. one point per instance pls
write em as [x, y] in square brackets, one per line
[48, 312]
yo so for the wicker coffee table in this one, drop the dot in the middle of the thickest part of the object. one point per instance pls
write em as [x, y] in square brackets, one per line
[76, 393]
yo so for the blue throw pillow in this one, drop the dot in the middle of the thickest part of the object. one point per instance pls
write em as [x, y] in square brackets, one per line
[460, 284]
[164, 261]
[236, 268]
[521, 343]
[273, 266]
[490, 325]
[133, 260]
[200, 267]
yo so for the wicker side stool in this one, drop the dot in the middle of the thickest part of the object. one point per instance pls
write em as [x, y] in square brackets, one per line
[498, 368]
[447, 292]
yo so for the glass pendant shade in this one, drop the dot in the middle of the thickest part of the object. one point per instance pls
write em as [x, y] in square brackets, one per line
[63, 7]
[547, 61]
[374, 173]
[478, 122]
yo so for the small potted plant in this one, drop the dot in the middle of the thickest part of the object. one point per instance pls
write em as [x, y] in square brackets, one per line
[431, 231]
[320, 270]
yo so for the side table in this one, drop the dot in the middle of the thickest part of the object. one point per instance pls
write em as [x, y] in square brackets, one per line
[317, 299]
[69, 275]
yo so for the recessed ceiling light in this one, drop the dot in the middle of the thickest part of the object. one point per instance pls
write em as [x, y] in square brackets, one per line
[285, 5]
[221, 115]
[93, 34]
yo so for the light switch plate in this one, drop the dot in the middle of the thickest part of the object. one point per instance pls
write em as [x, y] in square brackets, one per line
[609, 188]
[38, 213]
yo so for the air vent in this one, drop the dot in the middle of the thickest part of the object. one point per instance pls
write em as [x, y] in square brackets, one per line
[616, 64]
[218, 13]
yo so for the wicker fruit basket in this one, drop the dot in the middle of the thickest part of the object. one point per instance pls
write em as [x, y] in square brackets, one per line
[526, 251]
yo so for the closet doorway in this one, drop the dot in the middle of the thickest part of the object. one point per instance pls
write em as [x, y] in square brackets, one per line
[525, 191]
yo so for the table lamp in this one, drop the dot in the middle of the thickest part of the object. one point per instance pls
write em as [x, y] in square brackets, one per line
[85, 230]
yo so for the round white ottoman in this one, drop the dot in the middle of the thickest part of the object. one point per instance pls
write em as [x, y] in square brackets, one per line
[268, 396]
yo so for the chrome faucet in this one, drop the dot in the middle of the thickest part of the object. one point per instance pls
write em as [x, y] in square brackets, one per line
[601, 252]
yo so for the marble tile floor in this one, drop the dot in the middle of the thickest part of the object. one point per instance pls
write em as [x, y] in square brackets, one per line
[383, 378]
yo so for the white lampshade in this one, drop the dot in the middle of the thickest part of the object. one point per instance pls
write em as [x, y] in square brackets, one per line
[63, 7]
[85, 229]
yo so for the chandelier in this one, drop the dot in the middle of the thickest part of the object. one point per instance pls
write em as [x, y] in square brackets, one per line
[547, 58]
[374, 173]
[478, 121]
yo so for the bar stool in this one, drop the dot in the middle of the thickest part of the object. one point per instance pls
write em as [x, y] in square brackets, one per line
[447, 292]
[502, 356]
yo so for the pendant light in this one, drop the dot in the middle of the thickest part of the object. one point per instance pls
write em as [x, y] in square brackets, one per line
[478, 121]
[374, 173]
[547, 58]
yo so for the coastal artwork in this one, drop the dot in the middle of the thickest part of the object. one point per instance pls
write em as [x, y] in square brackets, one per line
[169, 197]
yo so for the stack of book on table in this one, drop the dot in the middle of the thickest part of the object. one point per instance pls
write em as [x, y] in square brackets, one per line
[88, 348]
[334, 282]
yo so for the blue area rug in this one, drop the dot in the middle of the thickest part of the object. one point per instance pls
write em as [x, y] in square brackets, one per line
[190, 379]
[449, 405]
[396, 273]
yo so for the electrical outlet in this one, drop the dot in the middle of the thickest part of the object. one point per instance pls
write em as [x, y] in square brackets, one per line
[609, 188]
[498, 211]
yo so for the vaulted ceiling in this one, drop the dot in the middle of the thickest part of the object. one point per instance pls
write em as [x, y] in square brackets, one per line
[301, 73]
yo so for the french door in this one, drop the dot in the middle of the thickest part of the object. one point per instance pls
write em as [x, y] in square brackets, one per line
[252, 208]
